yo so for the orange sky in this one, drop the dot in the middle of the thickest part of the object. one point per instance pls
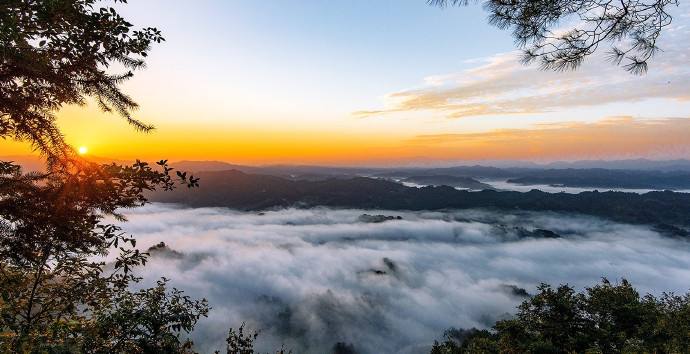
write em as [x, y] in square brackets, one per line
[616, 137]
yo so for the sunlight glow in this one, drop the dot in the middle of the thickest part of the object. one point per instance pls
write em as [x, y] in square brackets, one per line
[83, 150]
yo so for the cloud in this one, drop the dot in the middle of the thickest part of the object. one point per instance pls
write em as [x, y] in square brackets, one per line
[612, 137]
[311, 278]
[501, 85]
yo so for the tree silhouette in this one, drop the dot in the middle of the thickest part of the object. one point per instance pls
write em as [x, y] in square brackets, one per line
[57, 294]
[605, 318]
[630, 27]
[58, 52]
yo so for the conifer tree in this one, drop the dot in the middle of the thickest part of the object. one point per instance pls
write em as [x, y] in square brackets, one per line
[631, 28]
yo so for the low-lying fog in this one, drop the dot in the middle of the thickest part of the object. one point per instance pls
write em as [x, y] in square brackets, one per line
[311, 278]
[507, 186]
[504, 185]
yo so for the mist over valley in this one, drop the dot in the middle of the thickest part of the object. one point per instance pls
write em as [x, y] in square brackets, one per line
[312, 278]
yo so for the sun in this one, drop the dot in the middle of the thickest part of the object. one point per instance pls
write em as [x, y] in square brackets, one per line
[83, 150]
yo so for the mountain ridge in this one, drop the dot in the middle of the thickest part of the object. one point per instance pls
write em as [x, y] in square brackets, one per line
[239, 190]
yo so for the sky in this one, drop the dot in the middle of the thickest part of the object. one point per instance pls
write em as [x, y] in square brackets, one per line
[389, 82]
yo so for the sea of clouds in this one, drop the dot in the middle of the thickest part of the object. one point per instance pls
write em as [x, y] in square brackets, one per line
[310, 278]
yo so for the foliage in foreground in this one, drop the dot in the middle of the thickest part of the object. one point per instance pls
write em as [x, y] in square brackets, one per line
[57, 53]
[631, 28]
[57, 292]
[606, 318]
[56, 289]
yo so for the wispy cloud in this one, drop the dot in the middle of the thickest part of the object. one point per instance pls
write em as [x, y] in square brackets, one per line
[501, 85]
[612, 137]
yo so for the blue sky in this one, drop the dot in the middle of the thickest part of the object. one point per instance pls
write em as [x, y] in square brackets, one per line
[326, 52]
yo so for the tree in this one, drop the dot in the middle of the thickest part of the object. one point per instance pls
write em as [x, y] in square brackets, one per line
[51, 234]
[56, 291]
[458, 341]
[58, 52]
[242, 342]
[631, 27]
[147, 321]
[239, 342]
[606, 318]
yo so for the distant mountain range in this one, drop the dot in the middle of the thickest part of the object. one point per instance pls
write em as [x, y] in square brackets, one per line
[467, 176]
[630, 164]
[263, 187]
[621, 174]
[239, 190]
[452, 181]
[287, 171]
[606, 178]
[633, 164]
